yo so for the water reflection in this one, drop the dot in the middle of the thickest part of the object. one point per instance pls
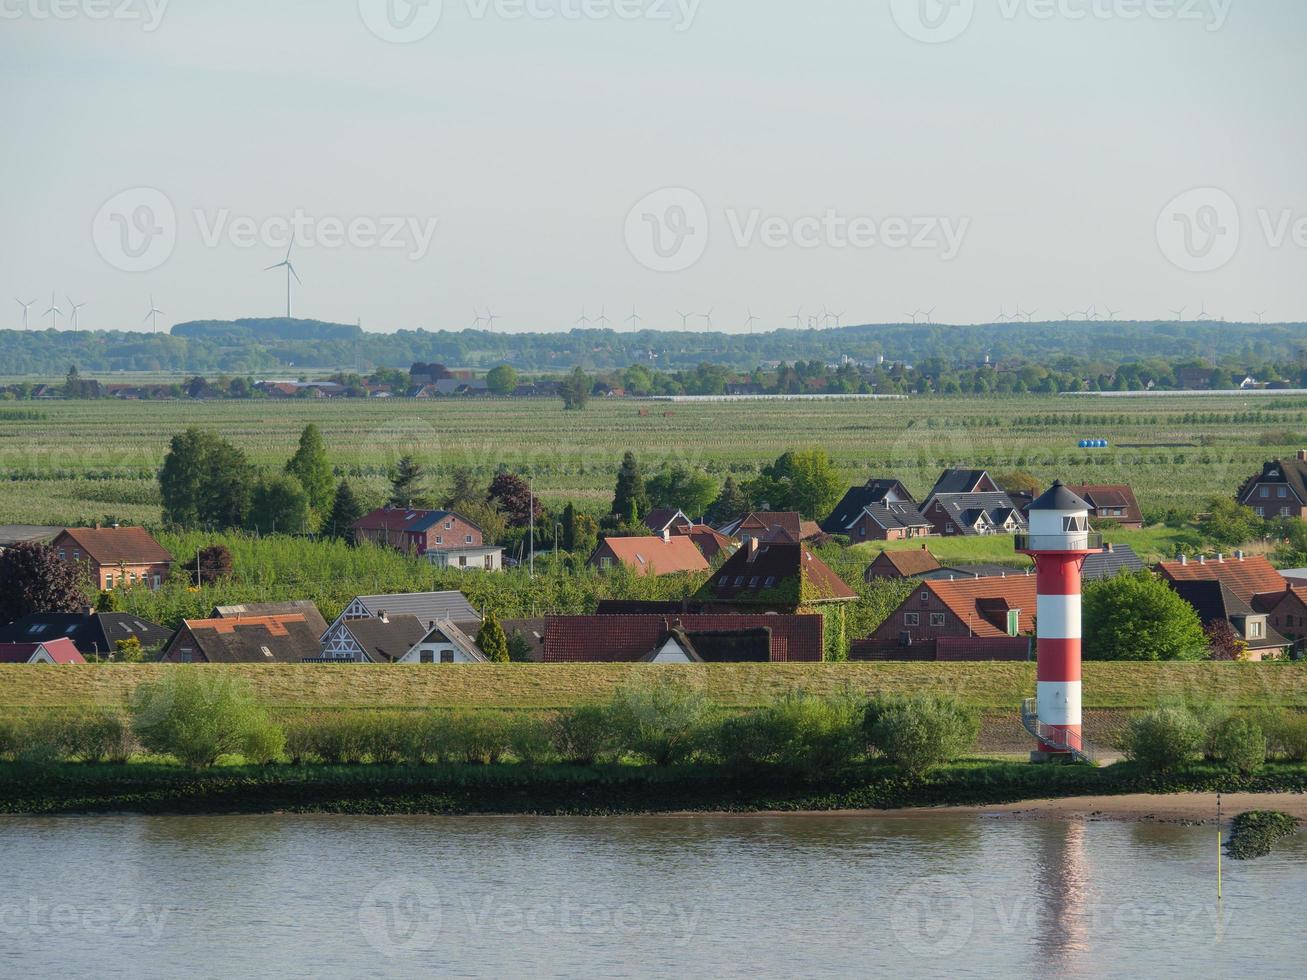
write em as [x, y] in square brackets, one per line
[1063, 893]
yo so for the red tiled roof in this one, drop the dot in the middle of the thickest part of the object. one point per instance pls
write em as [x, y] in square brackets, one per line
[765, 520]
[709, 541]
[1107, 496]
[1246, 577]
[623, 639]
[653, 555]
[773, 572]
[984, 602]
[115, 545]
[911, 561]
[61, 650]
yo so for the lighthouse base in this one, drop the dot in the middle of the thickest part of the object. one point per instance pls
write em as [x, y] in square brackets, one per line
[1048, 756]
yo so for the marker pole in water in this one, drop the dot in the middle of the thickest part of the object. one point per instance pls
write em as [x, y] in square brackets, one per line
[1218, 847]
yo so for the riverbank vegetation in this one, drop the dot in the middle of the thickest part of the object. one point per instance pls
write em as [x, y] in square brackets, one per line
[1253, 834]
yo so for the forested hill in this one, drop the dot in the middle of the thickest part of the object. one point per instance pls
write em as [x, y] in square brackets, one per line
[260, 346]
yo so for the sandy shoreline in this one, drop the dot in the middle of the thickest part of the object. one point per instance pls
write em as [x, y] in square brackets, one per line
[1194, 808]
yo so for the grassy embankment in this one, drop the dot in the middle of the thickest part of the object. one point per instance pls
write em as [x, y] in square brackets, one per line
[991, 687]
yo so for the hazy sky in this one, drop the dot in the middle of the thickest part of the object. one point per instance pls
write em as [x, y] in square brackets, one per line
[874, 156]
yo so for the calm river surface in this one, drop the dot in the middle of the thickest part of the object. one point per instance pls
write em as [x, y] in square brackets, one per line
[317, 896]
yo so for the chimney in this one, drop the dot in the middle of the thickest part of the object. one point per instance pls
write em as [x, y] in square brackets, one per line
[1184, 559]
[383, 617]
[667, 535]
[1109, 547]
[1302, 455]
[1238, 556]
[1220, 558]
[1202, 559]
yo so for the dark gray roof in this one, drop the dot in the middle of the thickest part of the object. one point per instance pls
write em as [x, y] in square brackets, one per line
[304, 607]
[12, 534]
[868, 498]
[531, 630]
[429, 607]
[254, 641]
[957, 481]
[385, 641]
[1212, 600]
[1105, 564]
[979, 570]
[1058, 497]
[94, 633]
[966, 508]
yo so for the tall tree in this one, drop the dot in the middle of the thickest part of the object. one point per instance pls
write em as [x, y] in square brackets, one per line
[575, 389]
[630, 498]
[309, 465]
[205, 481]
[345, 510]
[678, 486]
[492, 640]
[580, 531]
[211, 564]
[730, 503]
[804, 480]
[34, 580]
[502, 379]
[406, 483]
[279, 505]
[463, 491]
[513, 495]
[1139, 617]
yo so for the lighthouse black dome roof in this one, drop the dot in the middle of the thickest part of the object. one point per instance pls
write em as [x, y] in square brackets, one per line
[1058, 497]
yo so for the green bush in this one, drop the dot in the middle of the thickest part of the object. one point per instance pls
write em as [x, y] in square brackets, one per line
[582, 735]
[662, 720]
[1286, 734]
[474, 737]
[41, 740]
[801, 733]
[1240, 744]
[922, 731]
[100, 736]
[263, 745]
[8, 738]
[1162, 739]
[198, 716]
[1210, 715]
[530, 739]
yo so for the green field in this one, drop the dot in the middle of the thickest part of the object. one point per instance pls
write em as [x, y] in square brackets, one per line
[988, 686]
[83, 461]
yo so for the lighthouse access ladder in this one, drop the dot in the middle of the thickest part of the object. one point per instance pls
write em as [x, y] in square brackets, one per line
[1076, 747]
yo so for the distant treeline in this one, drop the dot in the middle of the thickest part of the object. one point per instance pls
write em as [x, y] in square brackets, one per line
[261, 346]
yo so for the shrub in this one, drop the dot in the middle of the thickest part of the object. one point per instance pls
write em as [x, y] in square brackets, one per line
[474, 737]
[919, 732]
[583, 734]
[530, 739]
[1162, 739]
[335, 738]
[1210, 715]
[1240, 743]
[1286, 734]
[198, 716]
[660, 720]
[41, 740]
[263, 745]
[101, 736]
[8, 738]
[801, 733]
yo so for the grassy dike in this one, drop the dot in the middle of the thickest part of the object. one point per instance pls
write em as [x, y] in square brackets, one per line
[990, 687]
[567, 790]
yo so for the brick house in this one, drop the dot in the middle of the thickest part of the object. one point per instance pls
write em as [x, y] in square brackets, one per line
[710, 542]
[653, 554]
[766, 525]
[1247, 576]
[991, 609]
[1287, 613]
[684, 638]
[1111, 502]
[115, 556]
[969, 502]
[418, 531]
[1279, 490]
[907, 563]
[58, 651]
[782, 576]
[882, 510]
[253, 640]
[1214, 601]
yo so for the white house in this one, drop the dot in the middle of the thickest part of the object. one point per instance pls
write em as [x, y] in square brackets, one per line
[444, 643]
[428, 608]
[483, 558]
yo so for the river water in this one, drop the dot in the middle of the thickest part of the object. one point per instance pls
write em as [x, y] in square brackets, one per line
[712, 896]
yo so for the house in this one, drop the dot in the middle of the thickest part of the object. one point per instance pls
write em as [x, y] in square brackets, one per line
[444, 643]
[304, 607]
[1213, 600]
[1194, 378]
[943, 619]
[530, 631]
[429, 608]
[969, 502]
[775, 524]
[906, 563]
[1111, 502]
[1280, 490]
[665, 554]
[684, 638]
[1247, 576]
[286, 639]
[94, 634]
[710, 542]
[383, 639]
[57, 651]
[1287, 612]
[115, 556]
[783, 576]
[662, 519]
[13, 534]
[883, 510]
[473, 558]
[417, 531]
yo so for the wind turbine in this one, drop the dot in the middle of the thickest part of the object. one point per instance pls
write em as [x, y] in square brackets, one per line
[930, 315]
[603, 320]
[1016, 317]
[74, 307]
[490, 319]
[476, 319]
[798, 318]
[1112, 314]
[26, 307]
[838, 317]
[1030, 315]
[1179, 314]
[1203, 314]
[1002, 316]
[1259, 315]
[634, 319]
[914, 314]
[1067, 316]
[583, 321]
[53, 312]
[153, 315]
[750, 321]
[1090, 313]
[685, 319]
[290, 271]
[707, 319]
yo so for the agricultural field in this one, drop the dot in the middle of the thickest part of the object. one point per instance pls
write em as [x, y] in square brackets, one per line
[67, 462]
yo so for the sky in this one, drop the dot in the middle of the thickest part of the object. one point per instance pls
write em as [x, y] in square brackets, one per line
[549, 160]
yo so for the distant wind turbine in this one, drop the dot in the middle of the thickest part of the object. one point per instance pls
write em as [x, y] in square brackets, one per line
[26, 307]
[634, 319]
[290, 271]
[74, 307]
[603, 320]
[707, 319]
[1259, 315]
[914, 314]
[1002, 316]
[930, 315]
[583, 320]
[1067, 316]
[153, 315]
[837, 317]
[1112, 314]
[490, 319]
[1030, 315]
[750, 320]
[685, 319]
[53, 312]
[1203, 313]
[476, 318]
[1179, 314]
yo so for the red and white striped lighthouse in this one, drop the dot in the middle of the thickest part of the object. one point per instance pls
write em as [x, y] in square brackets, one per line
[1059, 540]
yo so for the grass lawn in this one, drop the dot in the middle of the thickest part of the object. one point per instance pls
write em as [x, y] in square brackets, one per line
[989, 686]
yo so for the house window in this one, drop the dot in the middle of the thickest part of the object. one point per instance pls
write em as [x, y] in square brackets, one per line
[925, 597]
[862, 532]
[753, 582]
[1255, 630]
[1266, 491]
[1282, 492]
[911, 619]
[77, 555]
[467, 539]
[187, 655]
[446, 656]
[108, 581]
[1074, 524]
[1259, 511]
[63, 555]
[1284, 511]
[936, 619]
[1013, 622]
[426, 657]
[462, 561]
[771, 580]
[439, 539]
[449, 525]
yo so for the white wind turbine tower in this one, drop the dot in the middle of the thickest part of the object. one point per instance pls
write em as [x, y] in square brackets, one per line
[583, 320]
[290, 271]
[603, 320]
[153, 316]
[477, 318]
[491, 317]
[798, 318]
[1203, 313]
[53, 312]
[74, 307]
[837, 317]
[1179, 314]
[26, 307]
[750, 320]
[1260, 315]
[685, 319]
[1112, 314]
[930, 315]
[634, 319]
[914, 314]
[707, 319]
[1002, 316]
